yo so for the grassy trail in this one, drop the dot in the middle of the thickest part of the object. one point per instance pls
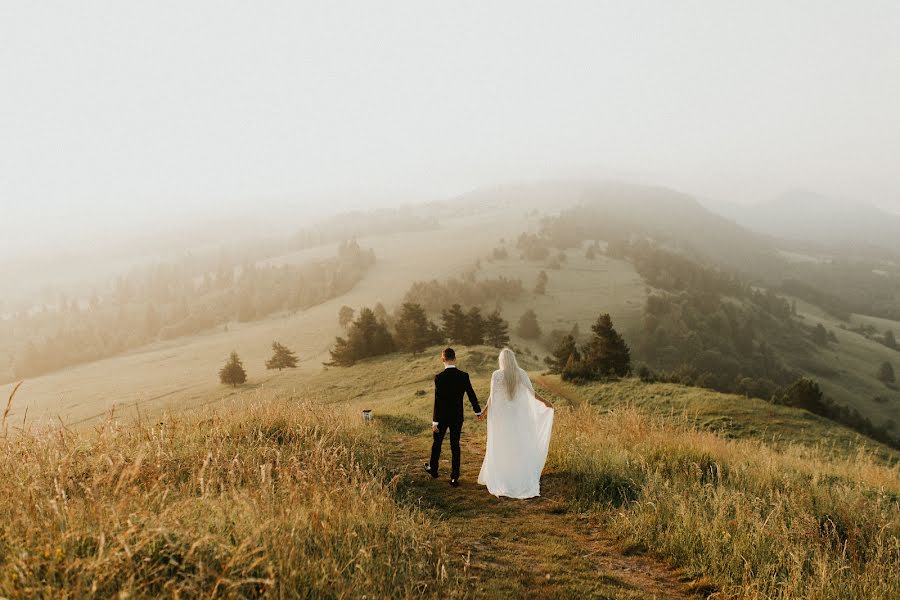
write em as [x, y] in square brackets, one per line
[525, 548]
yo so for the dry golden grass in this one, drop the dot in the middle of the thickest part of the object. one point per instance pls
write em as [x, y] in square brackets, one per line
[9, 402]
[277, 499]
[758, 522]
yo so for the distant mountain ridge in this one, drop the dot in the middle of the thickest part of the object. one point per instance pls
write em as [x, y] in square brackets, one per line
[659, 212]
[801, 215]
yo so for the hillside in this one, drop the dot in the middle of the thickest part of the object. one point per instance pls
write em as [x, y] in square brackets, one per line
[640, 498]
[624, 208]
[182, 370]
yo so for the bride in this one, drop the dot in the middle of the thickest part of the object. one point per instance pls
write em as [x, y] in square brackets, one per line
[519, 422]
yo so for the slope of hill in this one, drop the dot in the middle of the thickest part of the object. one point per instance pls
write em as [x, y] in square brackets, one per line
[637, 502]
[183, 370]
[847, 366]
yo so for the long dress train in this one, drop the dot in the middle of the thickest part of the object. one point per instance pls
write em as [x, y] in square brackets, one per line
[518, 438]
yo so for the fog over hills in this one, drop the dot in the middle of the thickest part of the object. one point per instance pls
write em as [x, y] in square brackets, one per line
[804, 215]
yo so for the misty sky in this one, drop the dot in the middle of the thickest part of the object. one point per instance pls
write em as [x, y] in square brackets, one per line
[119, 112]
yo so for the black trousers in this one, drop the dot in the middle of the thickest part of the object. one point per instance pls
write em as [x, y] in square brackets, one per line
[455, 430]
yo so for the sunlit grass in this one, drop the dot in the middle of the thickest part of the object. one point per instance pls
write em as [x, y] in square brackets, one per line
[760, 522]
[278, 498]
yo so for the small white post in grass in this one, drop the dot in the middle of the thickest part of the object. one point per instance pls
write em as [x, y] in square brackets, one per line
[367, 415]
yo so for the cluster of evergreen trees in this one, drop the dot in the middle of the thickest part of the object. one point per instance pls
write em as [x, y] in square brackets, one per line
[604, 356]
[412, 331]
[471, 328]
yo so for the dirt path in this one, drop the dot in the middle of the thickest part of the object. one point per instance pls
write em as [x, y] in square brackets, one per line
[527, 548]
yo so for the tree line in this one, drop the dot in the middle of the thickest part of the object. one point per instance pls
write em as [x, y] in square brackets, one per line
[172, 300]
[467, 291]
[412, 331]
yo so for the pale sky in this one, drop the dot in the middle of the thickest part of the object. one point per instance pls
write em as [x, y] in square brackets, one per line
[122, 112]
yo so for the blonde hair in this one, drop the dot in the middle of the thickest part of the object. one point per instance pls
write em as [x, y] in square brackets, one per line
[510, 368]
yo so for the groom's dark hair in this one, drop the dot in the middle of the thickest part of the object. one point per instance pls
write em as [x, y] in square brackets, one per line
[448, 354]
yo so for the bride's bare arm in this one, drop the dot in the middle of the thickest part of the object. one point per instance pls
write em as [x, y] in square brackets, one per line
[542, 400]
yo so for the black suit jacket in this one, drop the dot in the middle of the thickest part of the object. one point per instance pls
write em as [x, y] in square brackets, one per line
[449, 387]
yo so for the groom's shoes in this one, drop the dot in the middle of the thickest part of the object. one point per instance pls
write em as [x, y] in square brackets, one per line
[454, 481]
[428, 470]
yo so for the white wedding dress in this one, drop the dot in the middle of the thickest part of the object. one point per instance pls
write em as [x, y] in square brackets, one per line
[518, 437]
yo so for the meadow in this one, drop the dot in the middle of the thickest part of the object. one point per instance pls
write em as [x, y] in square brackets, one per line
[576, 292]
[272, 497]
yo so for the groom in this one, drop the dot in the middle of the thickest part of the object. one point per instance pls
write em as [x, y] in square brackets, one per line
[449, 388]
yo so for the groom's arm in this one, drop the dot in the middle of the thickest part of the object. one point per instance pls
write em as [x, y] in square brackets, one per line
[470, 392]
[434, 415]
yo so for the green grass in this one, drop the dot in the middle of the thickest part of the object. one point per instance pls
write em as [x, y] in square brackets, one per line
[727, 415]
[576, 293]
[757, 522]
[847, 370]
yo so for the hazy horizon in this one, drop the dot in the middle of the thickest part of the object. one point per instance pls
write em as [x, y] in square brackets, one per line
[120, 117]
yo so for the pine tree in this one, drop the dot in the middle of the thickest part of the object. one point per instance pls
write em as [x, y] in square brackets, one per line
[889, 340]
[454, 324]
[540, 287]
[886, 373]
[607, 354]
[233, 372]
[282, 358]
[565, 350]
[414, 331]
[528, 326]
[366, 337]
[496, 330]
[803, 393]
[474, 327]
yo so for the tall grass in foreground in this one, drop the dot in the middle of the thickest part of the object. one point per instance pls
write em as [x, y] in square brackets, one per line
[761, 523]
[275, 499]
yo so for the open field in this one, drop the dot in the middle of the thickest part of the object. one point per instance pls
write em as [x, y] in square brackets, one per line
[644, 496]
[576, 293]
